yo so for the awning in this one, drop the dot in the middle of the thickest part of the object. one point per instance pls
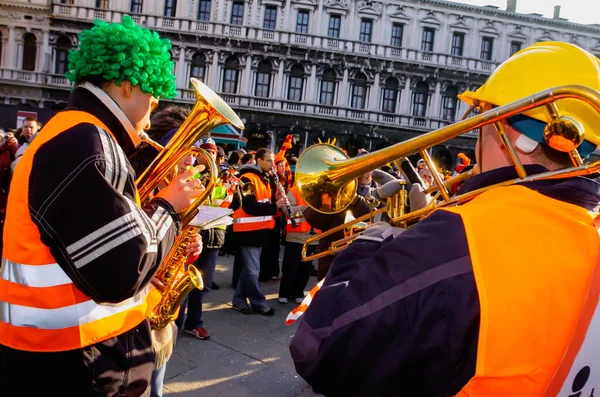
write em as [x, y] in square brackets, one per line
[229, 135]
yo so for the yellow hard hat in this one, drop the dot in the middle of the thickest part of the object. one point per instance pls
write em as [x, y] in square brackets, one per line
[539, 67]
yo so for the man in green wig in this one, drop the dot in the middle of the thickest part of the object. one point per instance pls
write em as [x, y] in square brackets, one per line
[79, 248]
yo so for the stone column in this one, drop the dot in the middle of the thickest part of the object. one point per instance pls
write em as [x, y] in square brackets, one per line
[287, 11]
[246, 74]
[374, 94]
[279, 80]
[12, 49]
[45, 61]
[342, 100]
[180, 75]
[213, 77]
[312, 83]
[405, 98]
[317, 27]
[434, 111]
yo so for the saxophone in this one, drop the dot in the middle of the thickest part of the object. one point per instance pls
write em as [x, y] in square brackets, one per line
[209, 112]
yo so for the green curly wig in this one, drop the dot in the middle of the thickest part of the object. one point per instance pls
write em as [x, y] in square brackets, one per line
[124, 52]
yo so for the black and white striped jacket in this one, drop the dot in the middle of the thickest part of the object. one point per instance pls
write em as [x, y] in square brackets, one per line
[82, 198]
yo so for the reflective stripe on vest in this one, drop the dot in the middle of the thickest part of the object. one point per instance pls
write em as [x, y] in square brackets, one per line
[40, 307]
[532, 266]
[244, 222]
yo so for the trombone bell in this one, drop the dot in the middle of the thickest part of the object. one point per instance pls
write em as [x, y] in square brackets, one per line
[313, 176]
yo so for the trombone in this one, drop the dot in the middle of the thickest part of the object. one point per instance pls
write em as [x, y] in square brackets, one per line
[326, 178]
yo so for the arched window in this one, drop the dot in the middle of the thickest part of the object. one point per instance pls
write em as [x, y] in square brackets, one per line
[390, 94]
[327, 94]
[61, 61]
[198, 67]
[29, 52]
[449, 103]
[231, 75]
[296, 83]
[263, 79]
[420, 97]
[359, 92]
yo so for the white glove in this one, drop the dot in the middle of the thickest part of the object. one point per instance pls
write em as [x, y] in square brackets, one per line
[418, 198]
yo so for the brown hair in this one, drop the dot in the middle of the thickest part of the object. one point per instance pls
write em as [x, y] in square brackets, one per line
[166, 119]
[260, 153]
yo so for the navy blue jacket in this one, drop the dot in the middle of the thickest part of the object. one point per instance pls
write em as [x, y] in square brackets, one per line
[401, 316]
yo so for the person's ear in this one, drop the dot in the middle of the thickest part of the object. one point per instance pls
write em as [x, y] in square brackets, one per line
[126, 89]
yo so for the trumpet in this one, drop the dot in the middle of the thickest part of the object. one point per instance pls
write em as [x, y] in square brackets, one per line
[209, 112]
[327, 178]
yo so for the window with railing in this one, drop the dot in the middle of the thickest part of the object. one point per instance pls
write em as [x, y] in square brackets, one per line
[427, 39]
[458, 44]
[327, 92]
[335, 22]
[296, 83]
[270, 21]
[449, 101]
[358, 97]
[61, 60]
[231, 75]
[302, 21]
[397, 33]
[29, 52]
[204, 10]
[237, 13]
[137, 6]
[515, 46]
[420, 97]
[198, 67]
[366, 30]
[170, 8]
[102, 4]
[263, 79]
[487, 46]
[390, 95]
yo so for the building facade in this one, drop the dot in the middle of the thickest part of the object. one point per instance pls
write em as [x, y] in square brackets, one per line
[368, 73]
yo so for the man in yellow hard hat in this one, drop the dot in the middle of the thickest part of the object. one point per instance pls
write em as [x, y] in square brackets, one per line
[496, 297]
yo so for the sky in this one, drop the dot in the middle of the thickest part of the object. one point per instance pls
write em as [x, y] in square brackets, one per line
[579, 11]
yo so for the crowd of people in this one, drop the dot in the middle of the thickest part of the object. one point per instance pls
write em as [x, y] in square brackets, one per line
[495, 297]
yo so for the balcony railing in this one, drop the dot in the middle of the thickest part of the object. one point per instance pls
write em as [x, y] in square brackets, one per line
[258, 34]
[285, 107]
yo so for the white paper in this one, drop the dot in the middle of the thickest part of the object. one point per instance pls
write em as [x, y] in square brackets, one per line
[209, 217]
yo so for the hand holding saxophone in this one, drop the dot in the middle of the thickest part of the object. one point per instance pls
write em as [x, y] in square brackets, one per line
[183, 189]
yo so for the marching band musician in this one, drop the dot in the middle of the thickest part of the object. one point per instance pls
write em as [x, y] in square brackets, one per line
[253, 221]
[80, 252]
[492, 298]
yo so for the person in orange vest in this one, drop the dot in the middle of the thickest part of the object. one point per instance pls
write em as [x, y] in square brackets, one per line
[79, 249]
[496, 297]
[253, 220]
[295, 273]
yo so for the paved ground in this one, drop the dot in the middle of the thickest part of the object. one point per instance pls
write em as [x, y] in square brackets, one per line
[246, 356]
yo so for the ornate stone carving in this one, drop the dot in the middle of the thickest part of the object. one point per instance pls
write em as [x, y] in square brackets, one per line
[370, 7]
[343, 4]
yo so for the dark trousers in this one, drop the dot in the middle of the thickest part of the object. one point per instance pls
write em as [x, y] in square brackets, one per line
[119, 366]
[206, 263]
[295, 272]
[269, 257]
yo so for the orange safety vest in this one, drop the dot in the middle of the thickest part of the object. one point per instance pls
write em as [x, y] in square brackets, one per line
[532, 293]
[244, 222]
[40, 308]
[303, 225]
